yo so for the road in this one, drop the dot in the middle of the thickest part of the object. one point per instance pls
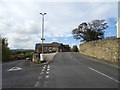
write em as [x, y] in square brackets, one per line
[67, 70]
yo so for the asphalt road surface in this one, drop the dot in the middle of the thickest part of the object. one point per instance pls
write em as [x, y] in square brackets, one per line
[67, 70]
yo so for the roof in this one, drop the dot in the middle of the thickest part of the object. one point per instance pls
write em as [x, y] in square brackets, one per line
[54, 44]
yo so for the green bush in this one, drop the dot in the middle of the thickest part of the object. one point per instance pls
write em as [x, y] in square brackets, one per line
[5, 50]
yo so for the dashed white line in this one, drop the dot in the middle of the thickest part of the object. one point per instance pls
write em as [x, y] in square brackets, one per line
[48, 69]
[104, 75]
[40, 77]
[42, 73]
[43, 70]
[74, 59]
[44, 67]
[47, 76]
[47, 72]
[37, 84]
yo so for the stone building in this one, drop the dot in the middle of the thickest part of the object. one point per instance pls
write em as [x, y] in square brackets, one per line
[48, 48]
[52, 47]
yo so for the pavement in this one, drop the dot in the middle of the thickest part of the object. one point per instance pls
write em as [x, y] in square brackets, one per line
[67, 70]
[49, 56]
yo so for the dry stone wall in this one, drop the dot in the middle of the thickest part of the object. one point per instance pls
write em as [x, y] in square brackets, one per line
[103, 49]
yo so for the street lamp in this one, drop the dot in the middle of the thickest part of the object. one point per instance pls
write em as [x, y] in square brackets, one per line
[42, 37]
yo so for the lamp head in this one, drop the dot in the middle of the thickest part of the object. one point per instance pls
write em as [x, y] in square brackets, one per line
[43, 13]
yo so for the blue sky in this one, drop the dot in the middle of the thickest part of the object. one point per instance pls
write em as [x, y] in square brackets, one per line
[20, 21]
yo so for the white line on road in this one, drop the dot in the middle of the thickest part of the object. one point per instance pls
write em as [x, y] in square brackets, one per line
[104, 75]
[37, 84]
[44, 67]
[48, 69]
[43, 70]
[47, 76]
[74, 59]
[42, 73]
[48, 66]
[14, 69]
[47, 72]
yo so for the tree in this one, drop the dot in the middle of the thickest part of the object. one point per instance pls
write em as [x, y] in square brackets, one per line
[90, 31]
[75, 48]
[5, 50]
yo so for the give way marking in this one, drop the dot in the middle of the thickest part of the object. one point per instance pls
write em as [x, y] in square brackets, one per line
[14, 69]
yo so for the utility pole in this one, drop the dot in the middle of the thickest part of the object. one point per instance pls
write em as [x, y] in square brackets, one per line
[42, 36]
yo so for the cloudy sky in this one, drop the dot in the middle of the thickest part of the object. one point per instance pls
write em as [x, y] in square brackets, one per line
[20, 20]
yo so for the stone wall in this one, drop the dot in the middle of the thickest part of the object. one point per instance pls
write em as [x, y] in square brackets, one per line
[103, 49]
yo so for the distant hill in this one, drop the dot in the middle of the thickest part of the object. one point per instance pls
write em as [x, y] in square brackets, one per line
[18, 54]
[22, 50]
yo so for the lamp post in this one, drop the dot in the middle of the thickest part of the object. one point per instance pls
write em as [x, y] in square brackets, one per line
[42, 36]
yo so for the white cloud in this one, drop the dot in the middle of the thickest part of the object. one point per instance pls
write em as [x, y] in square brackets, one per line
[65, 39]
[22, 35]
[21, 40]
[54, 39]
[20, 21]
[61, 0]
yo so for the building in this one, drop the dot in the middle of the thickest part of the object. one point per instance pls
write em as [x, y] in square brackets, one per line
[52, 47]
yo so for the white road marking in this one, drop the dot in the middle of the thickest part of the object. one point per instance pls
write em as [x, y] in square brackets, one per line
[48, 66]
[43, 70]
[48, 69]
[47, 76]
[104, 75]
[47, 72]
[74, 59]
[42, 73]
[14, 69]
[37, 84]
[44, 67]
